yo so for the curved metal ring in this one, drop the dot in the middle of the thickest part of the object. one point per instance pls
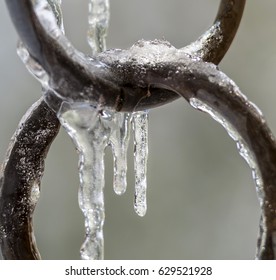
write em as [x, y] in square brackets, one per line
[53, 52]
[20, 179]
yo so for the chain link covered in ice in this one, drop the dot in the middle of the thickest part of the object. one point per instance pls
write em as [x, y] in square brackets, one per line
[147, 75]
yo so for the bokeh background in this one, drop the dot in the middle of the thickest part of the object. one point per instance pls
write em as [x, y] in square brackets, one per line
[202, 202]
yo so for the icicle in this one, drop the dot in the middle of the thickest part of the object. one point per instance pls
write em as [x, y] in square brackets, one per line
[90, 132]
[140, 129]
[119, 141]
[98, 20]
[98, 23]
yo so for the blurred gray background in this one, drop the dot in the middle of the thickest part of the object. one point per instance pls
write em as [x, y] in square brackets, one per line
[201, 197]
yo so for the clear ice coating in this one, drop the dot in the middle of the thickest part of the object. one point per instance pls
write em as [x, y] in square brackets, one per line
[52, 8]
[33, 67]
[119, 141]
[244, 151]
[98, 20]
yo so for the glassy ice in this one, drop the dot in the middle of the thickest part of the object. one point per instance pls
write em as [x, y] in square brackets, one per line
[244, 151]
[98, 20]
[90, 132]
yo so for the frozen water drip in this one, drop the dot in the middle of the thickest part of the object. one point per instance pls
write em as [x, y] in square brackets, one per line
[92, 130]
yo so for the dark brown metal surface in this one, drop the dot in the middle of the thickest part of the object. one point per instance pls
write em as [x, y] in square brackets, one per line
[21, 174]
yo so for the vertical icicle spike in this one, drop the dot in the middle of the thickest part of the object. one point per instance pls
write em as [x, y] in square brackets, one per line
[98, 20]
[119, 141]
[140, 130]
[98, 24]
[90, 132]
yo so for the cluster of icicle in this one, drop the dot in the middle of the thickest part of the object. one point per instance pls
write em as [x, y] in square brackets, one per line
[92, 129]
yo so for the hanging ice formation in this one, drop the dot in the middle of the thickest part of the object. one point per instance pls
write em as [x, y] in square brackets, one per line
[93, 129]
